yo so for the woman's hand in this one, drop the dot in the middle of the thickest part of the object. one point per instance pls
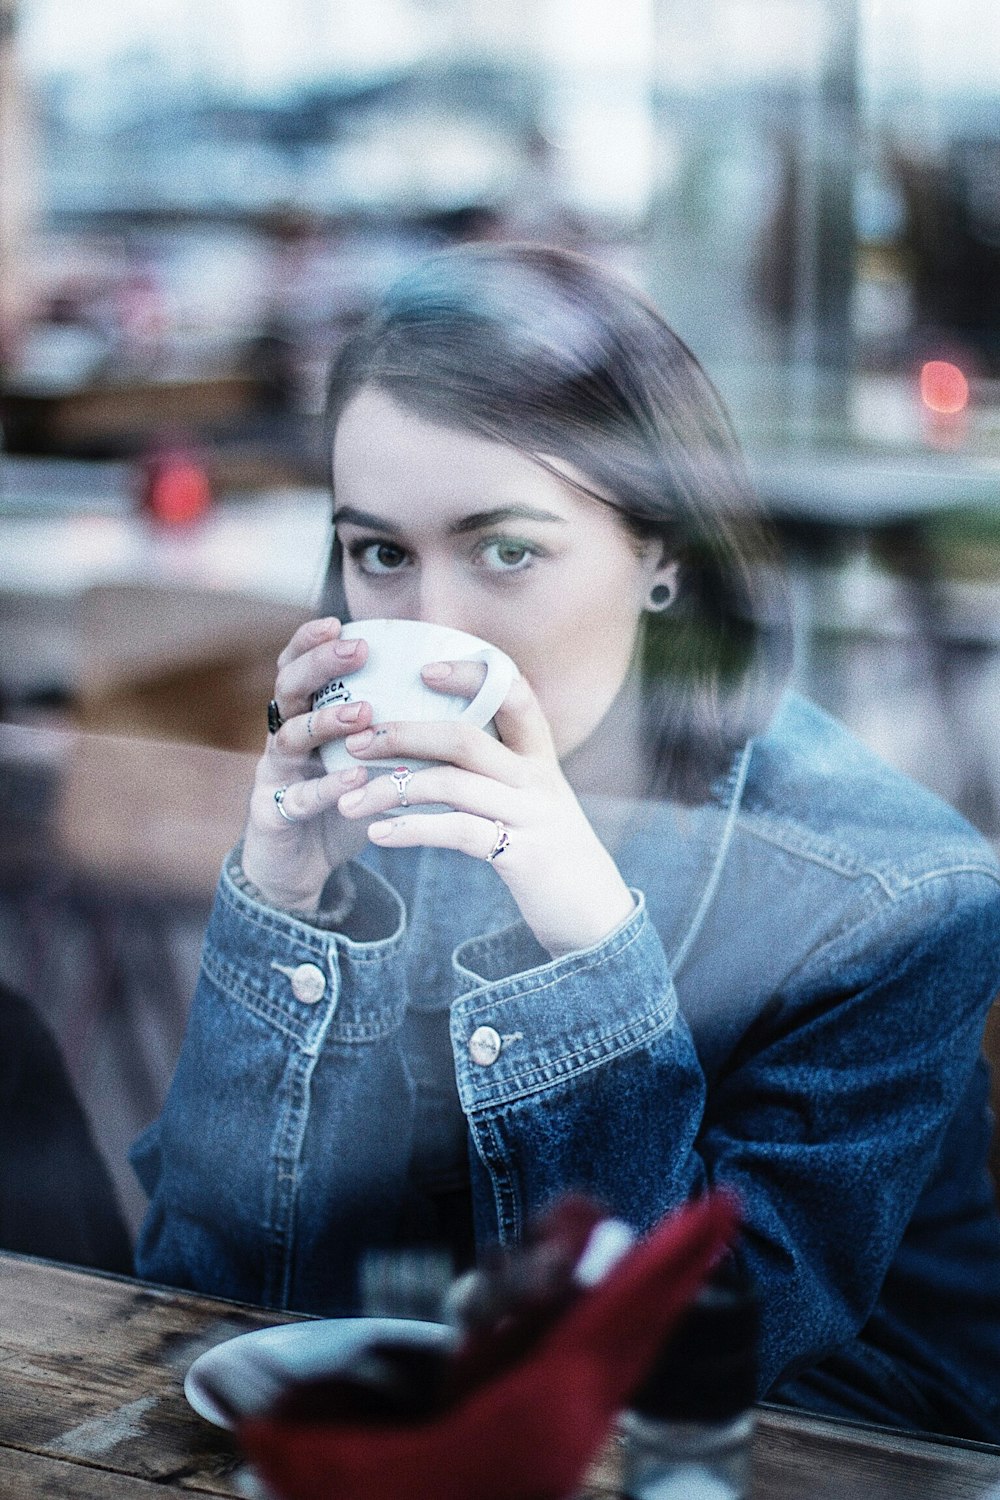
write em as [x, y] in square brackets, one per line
[566, 885]
[289, 854]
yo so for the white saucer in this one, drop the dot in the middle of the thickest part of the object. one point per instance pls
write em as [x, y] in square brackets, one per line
[302, 1350]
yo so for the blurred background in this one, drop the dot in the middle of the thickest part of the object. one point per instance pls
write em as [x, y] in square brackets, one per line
[197, 201]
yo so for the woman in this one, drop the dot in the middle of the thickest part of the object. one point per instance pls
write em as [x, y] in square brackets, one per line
[680, 928]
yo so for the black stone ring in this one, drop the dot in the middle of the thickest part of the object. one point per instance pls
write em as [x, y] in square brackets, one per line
[274, 719]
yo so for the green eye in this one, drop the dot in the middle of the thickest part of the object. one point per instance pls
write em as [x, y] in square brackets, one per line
[507, 556]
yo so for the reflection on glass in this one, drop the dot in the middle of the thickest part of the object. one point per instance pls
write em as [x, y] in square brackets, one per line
[201, 203]
[672, 927]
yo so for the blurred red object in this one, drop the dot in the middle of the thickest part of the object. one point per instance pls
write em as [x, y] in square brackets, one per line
[176, 489]
[530, 1433]
[943, 387]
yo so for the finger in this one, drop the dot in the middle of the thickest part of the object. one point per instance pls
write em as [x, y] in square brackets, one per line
[302, 676]
[462, 790]
[458, 743]
[521, 724]
[312, 633]
[300, 735]
[462, 679]
[470, 835]
[301, 801]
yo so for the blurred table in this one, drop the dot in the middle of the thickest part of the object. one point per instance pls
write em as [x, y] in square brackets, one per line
[270, 547]
[272, 544]
[829, 506]
[863, 535]
[78, 410]
[846, 489]
[94, 1409]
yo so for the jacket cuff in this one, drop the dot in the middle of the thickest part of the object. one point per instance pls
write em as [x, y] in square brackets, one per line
[303, 979]
[515, 950]
[529, 1030]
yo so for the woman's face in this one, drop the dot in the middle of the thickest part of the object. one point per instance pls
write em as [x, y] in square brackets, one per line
[443, 525]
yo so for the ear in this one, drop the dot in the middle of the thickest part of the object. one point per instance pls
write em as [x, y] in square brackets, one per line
[664, 582]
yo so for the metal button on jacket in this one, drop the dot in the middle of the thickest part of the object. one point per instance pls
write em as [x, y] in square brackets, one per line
[308, 983]
[484, 1046]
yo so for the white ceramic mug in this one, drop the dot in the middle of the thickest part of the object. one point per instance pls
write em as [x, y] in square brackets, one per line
[390, 681]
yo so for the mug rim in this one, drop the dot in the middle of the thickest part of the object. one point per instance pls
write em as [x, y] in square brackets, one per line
[429, 625]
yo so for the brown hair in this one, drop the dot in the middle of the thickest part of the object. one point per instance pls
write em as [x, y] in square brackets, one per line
[547, 351]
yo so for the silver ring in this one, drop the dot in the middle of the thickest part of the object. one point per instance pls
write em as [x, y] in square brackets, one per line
[402, 776]
[279, 798]
[503, 839]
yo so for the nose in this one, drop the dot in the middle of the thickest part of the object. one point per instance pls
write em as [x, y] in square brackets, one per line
[442, 599]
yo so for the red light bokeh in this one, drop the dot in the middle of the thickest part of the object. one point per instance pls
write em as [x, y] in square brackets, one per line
[943, 387]
[178, 491]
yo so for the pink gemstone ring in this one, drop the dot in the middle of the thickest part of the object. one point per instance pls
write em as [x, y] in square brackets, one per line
[401, 776]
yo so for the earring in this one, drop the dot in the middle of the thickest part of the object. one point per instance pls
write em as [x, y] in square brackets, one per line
[661, 596]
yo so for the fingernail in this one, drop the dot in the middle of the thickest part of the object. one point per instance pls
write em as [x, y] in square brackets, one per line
[379, 830]
[354, 776]
[359, 741]
[349, 713]
[350, 800]
[437, 671]
[344, 649]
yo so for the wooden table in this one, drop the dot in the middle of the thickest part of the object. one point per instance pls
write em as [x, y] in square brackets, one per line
[92, 1407]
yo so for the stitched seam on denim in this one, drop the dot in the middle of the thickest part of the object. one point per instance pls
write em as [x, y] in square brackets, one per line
[948, 870]
[227, 979]
[572, 963]
[522, 985]
[487, 1127]
[315, 939]
[273, 1013]
[272, 922]
[571, 1064]
[296, 1134]
[499, 1100]
[856, 923]
[842, 862]
[737, 781]
[324, 919]
[830, 857]
[361, 1031]
[282, 1182]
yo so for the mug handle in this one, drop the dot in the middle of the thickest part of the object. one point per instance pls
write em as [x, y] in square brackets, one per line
[500, 673]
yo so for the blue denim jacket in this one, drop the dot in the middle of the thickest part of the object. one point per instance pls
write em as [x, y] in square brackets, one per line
[794, 1009]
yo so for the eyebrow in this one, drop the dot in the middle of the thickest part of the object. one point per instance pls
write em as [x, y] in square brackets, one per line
[348, 515]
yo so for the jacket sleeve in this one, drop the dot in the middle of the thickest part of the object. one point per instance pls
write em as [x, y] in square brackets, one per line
[825, 1116]
[224, 1166]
